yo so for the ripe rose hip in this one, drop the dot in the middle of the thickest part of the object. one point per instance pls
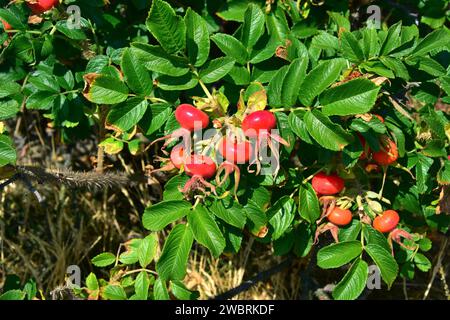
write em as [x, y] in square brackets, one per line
[177, 156]
[235, 152]
[258, 121]
[199, 165]
[42, 6]
[387, 154]
[363, 143]
[387, 222]
[379, 117]
[187, 116]
[340, 217]
[327, 184]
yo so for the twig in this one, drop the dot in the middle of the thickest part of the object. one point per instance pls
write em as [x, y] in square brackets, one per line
[436, 267]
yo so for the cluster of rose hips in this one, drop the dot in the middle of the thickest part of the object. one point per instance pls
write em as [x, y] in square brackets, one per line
[326, 187]
[37, 7]
[234, 147]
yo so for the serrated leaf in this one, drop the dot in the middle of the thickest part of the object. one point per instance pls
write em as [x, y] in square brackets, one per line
[353, 97]
[172, 263]
[92, 282]
[308, 206]
[253, 26]
[197, 38]
[104, 89]
[141, 285]
[230, 212]
[147, 250]
[126, 115]
[351, 47]
[338, 254]
[353, 283]
[231, 46]
[158, 216]
[166, 26]
[385, 262]
[216, 69]
[205, 230]
[432, 41]
[319, 78]
[292, 81]
[443, 176]
[392, 39]
[154, 58]
[281, 215]
[328, 134]
[136, 75]
[114, 292]
[103, 259]
[160, 290]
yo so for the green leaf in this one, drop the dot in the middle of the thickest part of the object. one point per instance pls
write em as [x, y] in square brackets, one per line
[308, 203]
[71, 32]
[166, 26]
[392, 39]
[126, 115]
[340, 20]
[13, 17]
[351, 48]
[422, 172]
[103, 259]
[229, 211]
[147, 250]
[293, 81]
[172, 263]
[276, 86]
[141, 285]
[319, 78]
[169, 83]
[107, 90]
[303, 239]
[131, 255]
[231, 46]
[158, 216]
[385, 262]
[9, 109]
[160, 290]
[281, 215]
[180, 291]
[353, 283]
[422, 263]
[328, 134]
[136, 75]
[7, 152]
[92, 282]
[432, 41]
[443, 176]
[298, 126]
[155, 117]
[253, 26]
[42, 100]
[206, 231]
[154, 58]
[338, 254]
[216, 69]
[353, 97]
[114, 292]
[351, 231]
[9, 89]
[12, 295]
[397, 66]
[197, 38]
[171, 188]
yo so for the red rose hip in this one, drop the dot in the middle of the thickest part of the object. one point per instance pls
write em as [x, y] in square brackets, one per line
[387, 222]
[235, 152]
[190, 118]
[42, 6]
[199, 165]
[258, 121]
[387, 154]
[327, 184]
[340, 217]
